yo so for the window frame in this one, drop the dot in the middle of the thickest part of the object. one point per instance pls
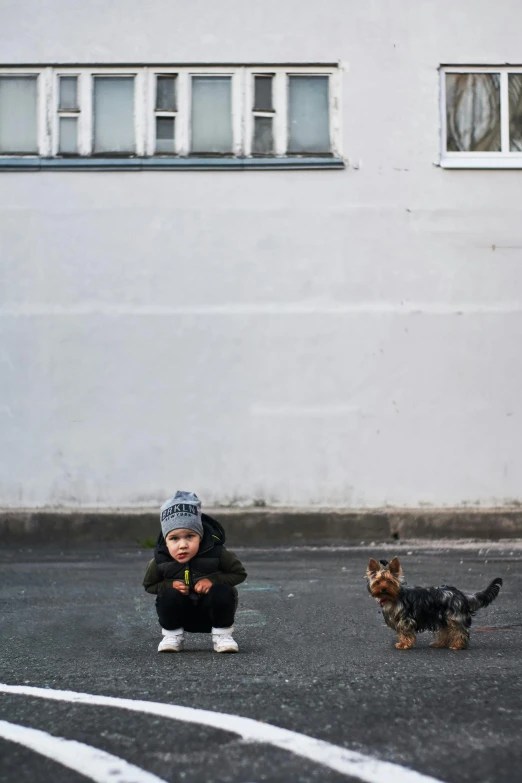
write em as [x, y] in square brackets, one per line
[279, 112]
[256, 113]
[138, 114]
[326, 154]
[65, 113]
[505, 159]
[145, 76]
[162, 113]
[43, 132]
[237, 111]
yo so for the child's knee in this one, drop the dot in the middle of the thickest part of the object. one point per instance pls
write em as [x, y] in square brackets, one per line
[171, 597]
[222, 594]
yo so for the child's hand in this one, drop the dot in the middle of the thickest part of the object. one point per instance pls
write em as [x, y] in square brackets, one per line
[181, 587]
[203, 586]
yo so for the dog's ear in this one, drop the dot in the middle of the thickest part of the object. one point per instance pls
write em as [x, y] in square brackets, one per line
[373, 566]
[395, 567]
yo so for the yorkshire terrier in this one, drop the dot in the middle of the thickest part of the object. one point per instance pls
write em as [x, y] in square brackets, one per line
[410, 610]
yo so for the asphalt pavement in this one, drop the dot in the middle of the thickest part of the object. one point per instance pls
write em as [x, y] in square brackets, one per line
[315, 657]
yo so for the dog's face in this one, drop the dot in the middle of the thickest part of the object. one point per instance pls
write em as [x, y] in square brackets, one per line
[384, 579]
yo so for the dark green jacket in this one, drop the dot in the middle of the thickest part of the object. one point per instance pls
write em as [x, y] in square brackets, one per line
[230, 571]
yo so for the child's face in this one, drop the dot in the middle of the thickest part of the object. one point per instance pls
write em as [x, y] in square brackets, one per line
[182, 544]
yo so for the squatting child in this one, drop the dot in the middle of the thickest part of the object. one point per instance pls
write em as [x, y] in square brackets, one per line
[193, 576]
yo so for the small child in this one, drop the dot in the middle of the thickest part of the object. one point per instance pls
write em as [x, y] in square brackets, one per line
[193, 576]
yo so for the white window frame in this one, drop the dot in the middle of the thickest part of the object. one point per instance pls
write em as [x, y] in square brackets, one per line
[280, 104]
[251, 112]
[236, 75]
[43, 109]
[152, 113]
[242, 85]
[57, 113]
[505, 159]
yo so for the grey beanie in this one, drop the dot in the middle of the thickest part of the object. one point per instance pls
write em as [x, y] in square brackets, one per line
[183, 510]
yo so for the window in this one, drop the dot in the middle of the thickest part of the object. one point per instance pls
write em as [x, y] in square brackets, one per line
[211, 114]
[18, 112]
[263, 108]
[113, 114]
[308, 115]
[481, 117]
[68, 115]
[170, 116]
[165, 113]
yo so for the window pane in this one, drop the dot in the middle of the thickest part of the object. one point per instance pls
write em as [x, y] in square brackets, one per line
[68, 92]
[18, 114]
[473, 112]
[68, 136]
[308, 125]
[164, 134]
[114, 114]
[263, 93]
[263, 136]
[515, 112]
[211, 114]
[166, 93]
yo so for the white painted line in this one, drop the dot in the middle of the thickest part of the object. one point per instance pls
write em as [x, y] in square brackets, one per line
[304, 410]
[90, 762]
[340, 759]
[370, 307]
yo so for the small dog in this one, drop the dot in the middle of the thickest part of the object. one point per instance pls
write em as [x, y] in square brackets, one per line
[410, 610]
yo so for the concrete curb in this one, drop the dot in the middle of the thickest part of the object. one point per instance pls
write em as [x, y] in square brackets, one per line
[262, 526]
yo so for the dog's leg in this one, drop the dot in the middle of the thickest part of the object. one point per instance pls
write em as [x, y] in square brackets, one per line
[458, 635]
[442, 638]
[406, 640]
[405, 628]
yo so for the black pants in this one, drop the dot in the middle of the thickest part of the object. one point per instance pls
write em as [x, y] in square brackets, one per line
[197, 613]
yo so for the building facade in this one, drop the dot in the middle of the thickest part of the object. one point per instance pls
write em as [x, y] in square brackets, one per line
[271, 253]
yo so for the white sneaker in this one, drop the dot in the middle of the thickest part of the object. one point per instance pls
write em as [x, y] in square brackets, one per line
[223, 641]
[173, 641]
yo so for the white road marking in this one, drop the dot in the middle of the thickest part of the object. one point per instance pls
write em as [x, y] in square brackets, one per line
[90, 762]
[340, 759]
[305, 307]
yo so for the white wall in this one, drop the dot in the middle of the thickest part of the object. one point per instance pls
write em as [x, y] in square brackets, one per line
[341, 338]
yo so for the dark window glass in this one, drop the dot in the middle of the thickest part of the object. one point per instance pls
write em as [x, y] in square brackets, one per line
[263, 136]
[165, 134]
[263, 93]
[166, 93]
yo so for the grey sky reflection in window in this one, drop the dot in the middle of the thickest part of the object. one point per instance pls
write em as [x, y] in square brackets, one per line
[68, 136]
[212, 114]
[18, 114]
[165, 135]
[308, 114]
[114, 114]
[68, 93]
[263, 136]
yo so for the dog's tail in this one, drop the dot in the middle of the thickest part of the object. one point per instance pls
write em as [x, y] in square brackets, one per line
[485, 597]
